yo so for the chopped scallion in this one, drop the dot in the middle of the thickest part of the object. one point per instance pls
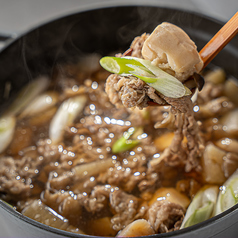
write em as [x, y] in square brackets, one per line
[163, 82]
[127, 141]
[228, 195]
[202, 206]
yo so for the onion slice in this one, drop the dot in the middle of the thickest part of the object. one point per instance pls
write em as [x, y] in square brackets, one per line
[202, 206]
[64, 116]
[155, 77]
[7, 127]
[127, 141]
[40, 104]
[228, 195]
[44, 214]
[87, 170]
[27, 94]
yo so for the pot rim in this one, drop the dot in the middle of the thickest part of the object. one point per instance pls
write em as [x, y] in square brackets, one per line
[93, 7]
[193, 228]
[103, 5]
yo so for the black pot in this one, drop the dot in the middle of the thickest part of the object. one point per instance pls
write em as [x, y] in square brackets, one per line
[103, 31]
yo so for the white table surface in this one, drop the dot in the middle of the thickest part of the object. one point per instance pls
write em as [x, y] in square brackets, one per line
[18, 16]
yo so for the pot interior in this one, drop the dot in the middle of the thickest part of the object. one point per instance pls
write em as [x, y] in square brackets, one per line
[98, 31]
[69, 38]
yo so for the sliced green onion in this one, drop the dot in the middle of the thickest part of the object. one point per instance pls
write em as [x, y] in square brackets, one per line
[27, 94]
[7, 128]
[65, 115]
[228, 195]
[127, 141]
[163, 82]
[202, 206]
[40, 104]
[141, 70]
[117, 65]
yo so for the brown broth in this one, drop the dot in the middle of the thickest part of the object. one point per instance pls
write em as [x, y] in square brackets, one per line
[84, 198]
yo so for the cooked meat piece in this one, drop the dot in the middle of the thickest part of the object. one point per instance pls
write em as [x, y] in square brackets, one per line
[111, 89]
[186, 126]
[125, 208]
[130, 91]
[16, 176]
[61, 181]
[150, 182]
[123, 173]
[134, 92]
[49, 152]
[137, 45]
[170, 48]
[155, 96]
[164, 216]
[93, 203]
[54, 199]
[97, 200]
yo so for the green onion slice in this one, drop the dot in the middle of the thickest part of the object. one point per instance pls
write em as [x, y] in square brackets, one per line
[117, 65]
[228, 195]
[161, 81]
[202, 206]
[128, 141]
[7, 129]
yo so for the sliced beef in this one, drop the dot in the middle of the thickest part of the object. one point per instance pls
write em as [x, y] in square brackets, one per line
[98, 199]
[134, 92]
[129, 91]
[185, 127]
[164, 216]
[125, 207]
[129, 173]
[137, 45]
[16, 176]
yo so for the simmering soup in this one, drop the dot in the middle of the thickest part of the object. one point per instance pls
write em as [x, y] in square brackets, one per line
[71, 159]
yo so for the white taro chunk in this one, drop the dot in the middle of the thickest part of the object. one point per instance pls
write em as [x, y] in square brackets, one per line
[140, 227]
[7, 127]
[231, 90]
[212, 164]
[202, 206]
[227, 144]
[230, 122]
[171, 49]
[228, 195]
[65, 115]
